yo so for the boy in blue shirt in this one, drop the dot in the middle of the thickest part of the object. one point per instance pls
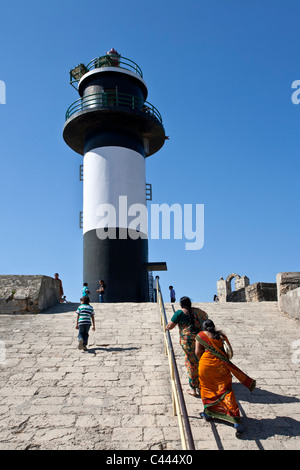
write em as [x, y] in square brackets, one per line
[172, 294]
[85, 318]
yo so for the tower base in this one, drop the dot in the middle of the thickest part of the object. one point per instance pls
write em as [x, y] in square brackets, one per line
[120, 263]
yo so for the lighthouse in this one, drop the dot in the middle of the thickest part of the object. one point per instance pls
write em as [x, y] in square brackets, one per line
[115, 129]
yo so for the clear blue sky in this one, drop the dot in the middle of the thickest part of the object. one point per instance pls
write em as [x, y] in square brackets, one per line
[220, 73]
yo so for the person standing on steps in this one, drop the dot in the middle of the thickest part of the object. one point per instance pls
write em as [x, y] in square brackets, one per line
[61, 290]
[172, 294]
[101, 290]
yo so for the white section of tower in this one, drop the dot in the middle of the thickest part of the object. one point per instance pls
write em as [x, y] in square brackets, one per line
[108, 173]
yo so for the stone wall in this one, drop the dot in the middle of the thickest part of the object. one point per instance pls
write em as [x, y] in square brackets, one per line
[290, 303]
[288, 289]
[257, 292]
[244, 291]
[27, 294]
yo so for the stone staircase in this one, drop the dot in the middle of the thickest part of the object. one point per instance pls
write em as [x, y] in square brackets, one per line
[264, 341]
[116, 396]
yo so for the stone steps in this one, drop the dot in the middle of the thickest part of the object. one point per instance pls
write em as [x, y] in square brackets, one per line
[117, 395]
[263, 340]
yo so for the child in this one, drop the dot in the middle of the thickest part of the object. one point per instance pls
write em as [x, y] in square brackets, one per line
[85, 318]
[85, 290]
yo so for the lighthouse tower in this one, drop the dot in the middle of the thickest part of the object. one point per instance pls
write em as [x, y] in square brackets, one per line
[115, 129]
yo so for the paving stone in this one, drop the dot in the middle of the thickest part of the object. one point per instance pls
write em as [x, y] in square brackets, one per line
[117, 396]
[271, 412]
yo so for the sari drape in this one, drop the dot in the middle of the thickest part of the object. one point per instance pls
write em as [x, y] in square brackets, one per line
[215, 371]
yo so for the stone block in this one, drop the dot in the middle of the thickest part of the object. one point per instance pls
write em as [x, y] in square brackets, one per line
[257, 292]
[237, 296]
[27, 294]
[241, 282]
[286, 282]
[261, 292]
[290, 303]
[222, 290]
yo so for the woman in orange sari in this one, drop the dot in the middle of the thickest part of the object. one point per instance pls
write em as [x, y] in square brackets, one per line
[215, 378]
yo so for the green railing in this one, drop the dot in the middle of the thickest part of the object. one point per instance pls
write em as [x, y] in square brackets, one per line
[113, 99]
[104, 61]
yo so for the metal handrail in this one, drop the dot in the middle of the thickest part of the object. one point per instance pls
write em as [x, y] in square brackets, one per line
[104, 61]
[113, 99]
[179, 406]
